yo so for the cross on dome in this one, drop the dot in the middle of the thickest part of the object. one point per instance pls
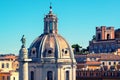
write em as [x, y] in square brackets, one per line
[50, 8]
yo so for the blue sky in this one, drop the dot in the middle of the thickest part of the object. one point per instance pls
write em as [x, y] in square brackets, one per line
[77, 20]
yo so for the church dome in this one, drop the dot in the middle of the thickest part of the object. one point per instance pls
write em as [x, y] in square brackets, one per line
[50, 45]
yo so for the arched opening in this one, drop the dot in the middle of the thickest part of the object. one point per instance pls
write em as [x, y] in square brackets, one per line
[51, 26]
[108, 36]
[67, 75]
[99, 36]
[49, 75]
[32, 75]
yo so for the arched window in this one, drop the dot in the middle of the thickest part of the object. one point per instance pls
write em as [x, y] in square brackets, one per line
[32, 75]
[7, 65]
[49, 75]
[2, 65]
[67, 75]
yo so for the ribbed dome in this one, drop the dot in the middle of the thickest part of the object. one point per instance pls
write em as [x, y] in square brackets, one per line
[50, 46]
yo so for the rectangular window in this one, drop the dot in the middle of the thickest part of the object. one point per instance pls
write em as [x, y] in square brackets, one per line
[109, 63]
[2, 65]
[7, 65]
[51, 27]
[3, 77]
[91, 74]
[103, 63]
[8, 77]
[13, 78]
[114, 63]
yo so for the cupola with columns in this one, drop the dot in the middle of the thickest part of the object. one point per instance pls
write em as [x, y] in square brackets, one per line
[50, 22]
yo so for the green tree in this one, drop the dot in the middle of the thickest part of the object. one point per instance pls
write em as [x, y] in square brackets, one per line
[76, 47]
[84, 51]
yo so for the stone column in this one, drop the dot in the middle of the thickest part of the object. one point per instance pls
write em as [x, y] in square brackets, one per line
[23, 67]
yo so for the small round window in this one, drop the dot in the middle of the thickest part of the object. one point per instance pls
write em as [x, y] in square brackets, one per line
[49, 51]
[66, 51]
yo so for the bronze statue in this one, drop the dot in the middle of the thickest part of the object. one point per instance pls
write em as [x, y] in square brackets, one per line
[23, 40]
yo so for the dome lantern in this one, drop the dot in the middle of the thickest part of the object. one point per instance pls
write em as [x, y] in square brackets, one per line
[50, 22]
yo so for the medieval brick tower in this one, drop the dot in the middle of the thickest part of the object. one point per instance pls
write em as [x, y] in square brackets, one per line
[104, 33]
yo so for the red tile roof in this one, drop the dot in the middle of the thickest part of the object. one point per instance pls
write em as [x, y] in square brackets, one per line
[93, 63]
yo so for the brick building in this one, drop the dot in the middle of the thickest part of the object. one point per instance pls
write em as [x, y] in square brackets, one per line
[98, 67]
[106, 40]
[9, 67]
